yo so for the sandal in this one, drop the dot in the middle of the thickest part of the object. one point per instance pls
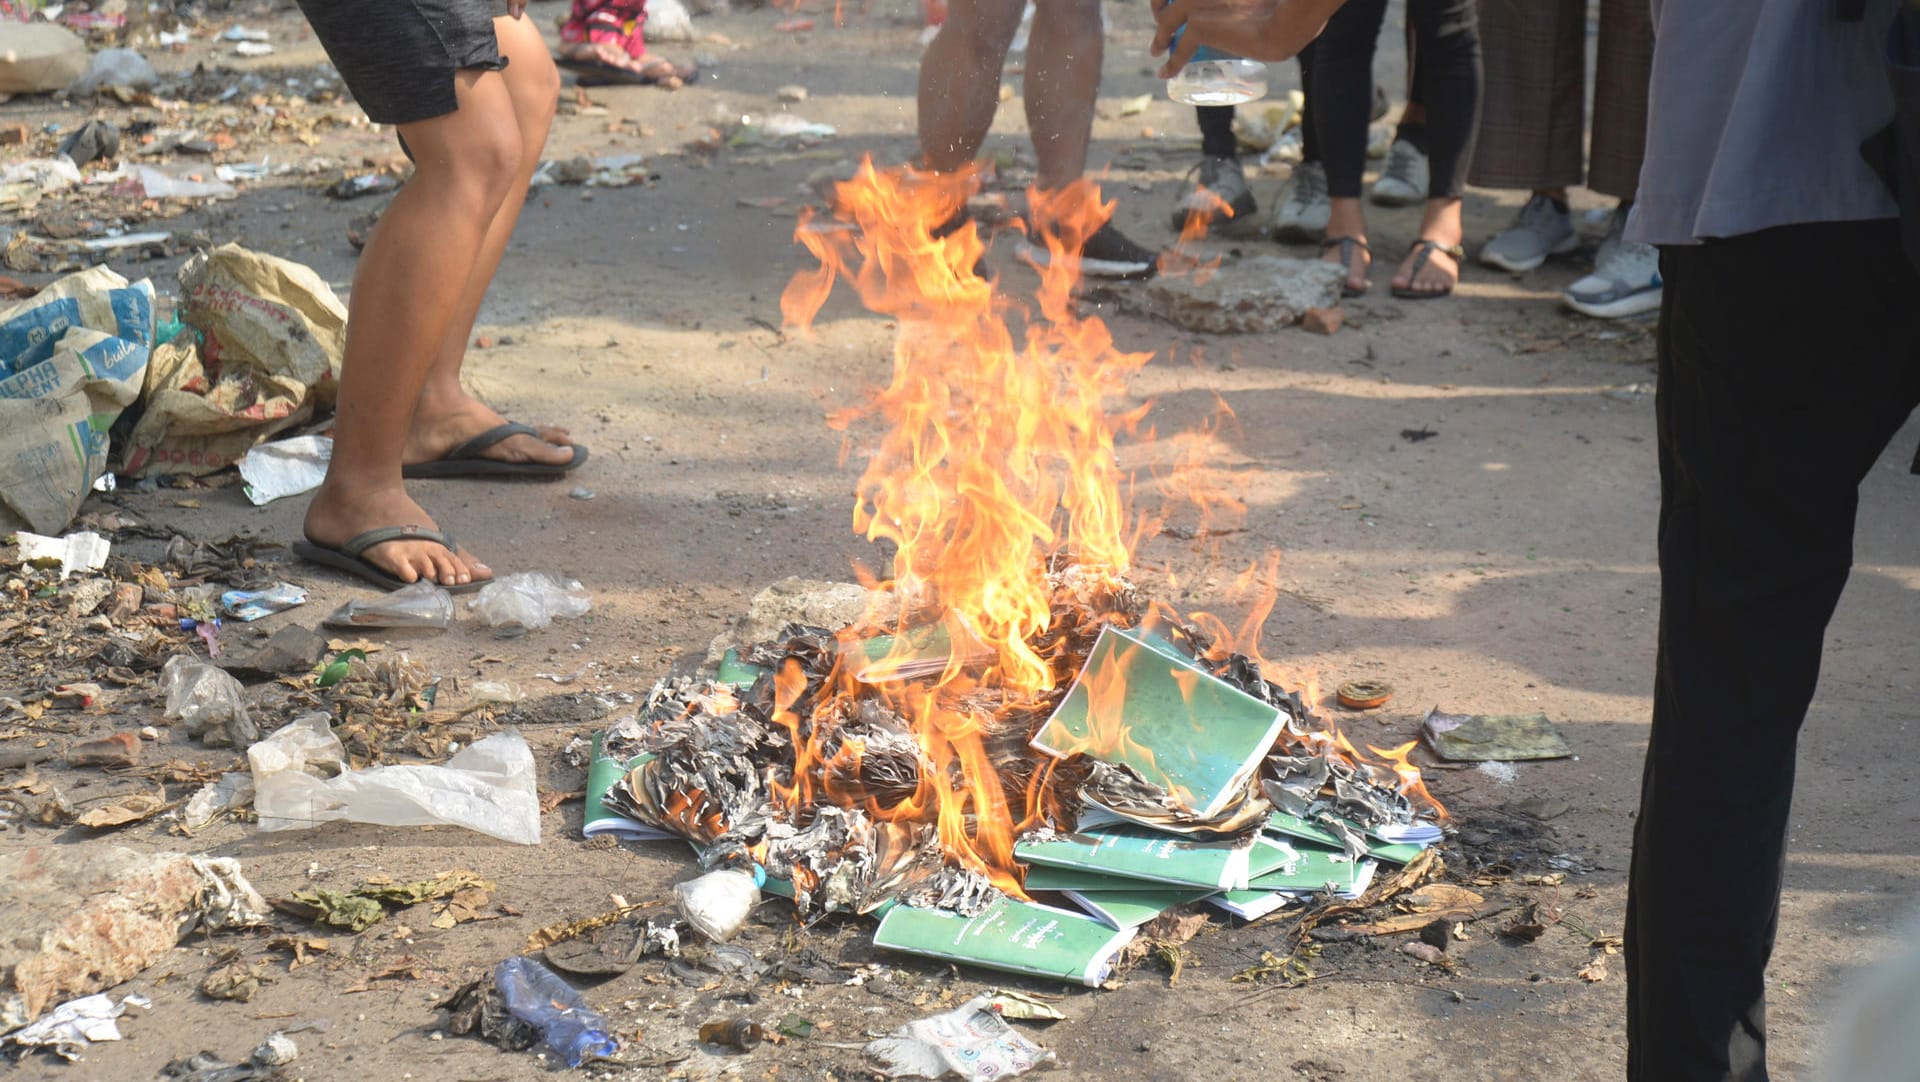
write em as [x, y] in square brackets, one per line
[1346, 246]
[1422, 251]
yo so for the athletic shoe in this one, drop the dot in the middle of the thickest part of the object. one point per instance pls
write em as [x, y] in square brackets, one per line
[1625, 279]
[1540, 229]
[1304, 208]
[1403, 183]
[1215, 186]
[1106, 254]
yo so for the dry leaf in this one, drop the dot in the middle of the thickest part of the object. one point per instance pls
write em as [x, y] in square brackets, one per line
[1595, 971]
[552, 800]
[132, 808]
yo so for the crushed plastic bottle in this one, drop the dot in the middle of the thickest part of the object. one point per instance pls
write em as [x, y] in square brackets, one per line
[521, 602]
[208, 701]
[418, 604]
[537, 996]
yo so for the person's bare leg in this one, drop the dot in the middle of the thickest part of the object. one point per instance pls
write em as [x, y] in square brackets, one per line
[960, 79]
[402, 304]
[1441, 224]
[447, 415]
[1063, 83]
[1347, 219]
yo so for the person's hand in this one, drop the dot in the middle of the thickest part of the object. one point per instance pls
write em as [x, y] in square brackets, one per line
[1255, 29]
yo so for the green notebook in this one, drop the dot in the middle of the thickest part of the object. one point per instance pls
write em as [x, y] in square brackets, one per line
[1140, 853]
[1319, 869]
[1293, 826]
[1132, 908]
[603, 773]
[1015, 936]
[735, 673]
[924, 650]
[1179, 726]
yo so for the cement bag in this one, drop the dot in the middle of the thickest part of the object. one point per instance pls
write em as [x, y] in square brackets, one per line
[265, 358]
[71, 359]
[38, 58]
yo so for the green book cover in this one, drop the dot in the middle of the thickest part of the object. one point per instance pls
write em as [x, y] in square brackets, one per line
[1049, 877]
[1252, 904]
[735, 673]
[603, 773]
[1015, 936]
[1320, 869]
[1132, 908]
[924, 650]
[1141, 853]
[1293, 826]
[1138, 704]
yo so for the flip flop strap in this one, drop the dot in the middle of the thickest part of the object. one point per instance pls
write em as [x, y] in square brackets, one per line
[473, 447]
[360, 543]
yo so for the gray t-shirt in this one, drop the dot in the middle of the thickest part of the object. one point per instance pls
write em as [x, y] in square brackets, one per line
[1756, 116]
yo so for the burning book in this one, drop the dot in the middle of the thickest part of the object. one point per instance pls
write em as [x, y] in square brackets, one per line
[1009, 687]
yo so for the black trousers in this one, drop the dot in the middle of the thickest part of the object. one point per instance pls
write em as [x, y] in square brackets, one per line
[1340, 91]
[1779, 388]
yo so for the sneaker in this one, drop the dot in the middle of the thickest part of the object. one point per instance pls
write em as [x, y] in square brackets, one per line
[1303, 212]
[1403, 183]
[1540, 229]
[1219, 182]
[1106, 254]
[1625, 279]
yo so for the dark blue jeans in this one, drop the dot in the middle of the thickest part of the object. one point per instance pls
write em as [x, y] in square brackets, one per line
[1789, 358]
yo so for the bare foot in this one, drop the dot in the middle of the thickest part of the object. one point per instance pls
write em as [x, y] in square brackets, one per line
[1438, 275]
[440, 426]
[338, 515]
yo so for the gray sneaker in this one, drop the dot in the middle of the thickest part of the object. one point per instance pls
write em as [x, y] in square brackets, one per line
[1625, 279]
[1538, 231]
[1403, 182]
[1216, 187]
[1303, 212]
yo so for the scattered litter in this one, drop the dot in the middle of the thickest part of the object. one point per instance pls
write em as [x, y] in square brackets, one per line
[487, 787]
[121, 68]
[120, 749]
[84, 551]
[418, 605]
[495, 691]
[780, 129]
[1364, 694]
[718, 903]
[92, 141]
[740, 1033]
[285, 468]
[364, 184]
[253, 48]
[232, 792]
[277, 1050]
[265, 358]
[669, 20]
[132, 808]
[1023, 1006]
[1136, 106]
[38, 57]
[581, 493]
[1481, 737]
[537, 997]
[250, 605]
[208, 701]
[792, 94]
[972, 1042]
[1501, 773]
[74, 357]
[69, 1028]
[463, 897]
[521, 602]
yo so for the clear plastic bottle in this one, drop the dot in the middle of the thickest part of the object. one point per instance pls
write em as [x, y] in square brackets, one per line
[537, 996]
[1216, 78]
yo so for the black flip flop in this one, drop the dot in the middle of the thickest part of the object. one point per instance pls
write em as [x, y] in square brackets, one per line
[601, 73]
[1426, 248]
[1346, 246]
[351, 557]
[466, 461]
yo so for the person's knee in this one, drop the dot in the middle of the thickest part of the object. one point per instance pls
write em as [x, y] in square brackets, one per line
[479, 168]
[985, 27]
[1073, 16]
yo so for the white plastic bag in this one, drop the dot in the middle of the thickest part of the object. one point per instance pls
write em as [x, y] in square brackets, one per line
[718, 903]
[520, 602]
[488, 787]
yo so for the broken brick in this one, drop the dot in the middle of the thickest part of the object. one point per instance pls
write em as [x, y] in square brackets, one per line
[1323, 320]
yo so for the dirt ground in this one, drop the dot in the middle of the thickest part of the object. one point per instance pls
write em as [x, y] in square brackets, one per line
[1504, 565]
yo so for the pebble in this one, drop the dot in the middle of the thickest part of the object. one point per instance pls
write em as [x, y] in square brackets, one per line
[148, 732]
[582, 493]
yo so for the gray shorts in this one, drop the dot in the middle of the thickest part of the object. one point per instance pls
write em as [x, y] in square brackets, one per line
[398, 57]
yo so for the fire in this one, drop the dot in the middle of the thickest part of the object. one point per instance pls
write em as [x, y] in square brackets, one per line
[994, 461]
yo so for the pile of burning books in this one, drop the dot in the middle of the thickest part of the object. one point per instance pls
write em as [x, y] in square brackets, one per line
[1034, 832]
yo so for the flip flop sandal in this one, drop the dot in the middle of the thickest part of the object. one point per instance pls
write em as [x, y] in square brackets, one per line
[466, 461]
[601, 73]
[351, 557]
[1346, 246]
[1426, 248]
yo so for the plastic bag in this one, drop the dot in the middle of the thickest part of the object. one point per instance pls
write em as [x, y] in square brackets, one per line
[971, 1042]
[115, 67]
[521, 602]
[417, 604]
[208, 700]
[488, 787]
[285, 467]
[717, 904]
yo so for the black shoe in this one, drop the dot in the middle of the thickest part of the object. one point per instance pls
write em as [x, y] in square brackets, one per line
[1106, 254]
[1219, 182]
